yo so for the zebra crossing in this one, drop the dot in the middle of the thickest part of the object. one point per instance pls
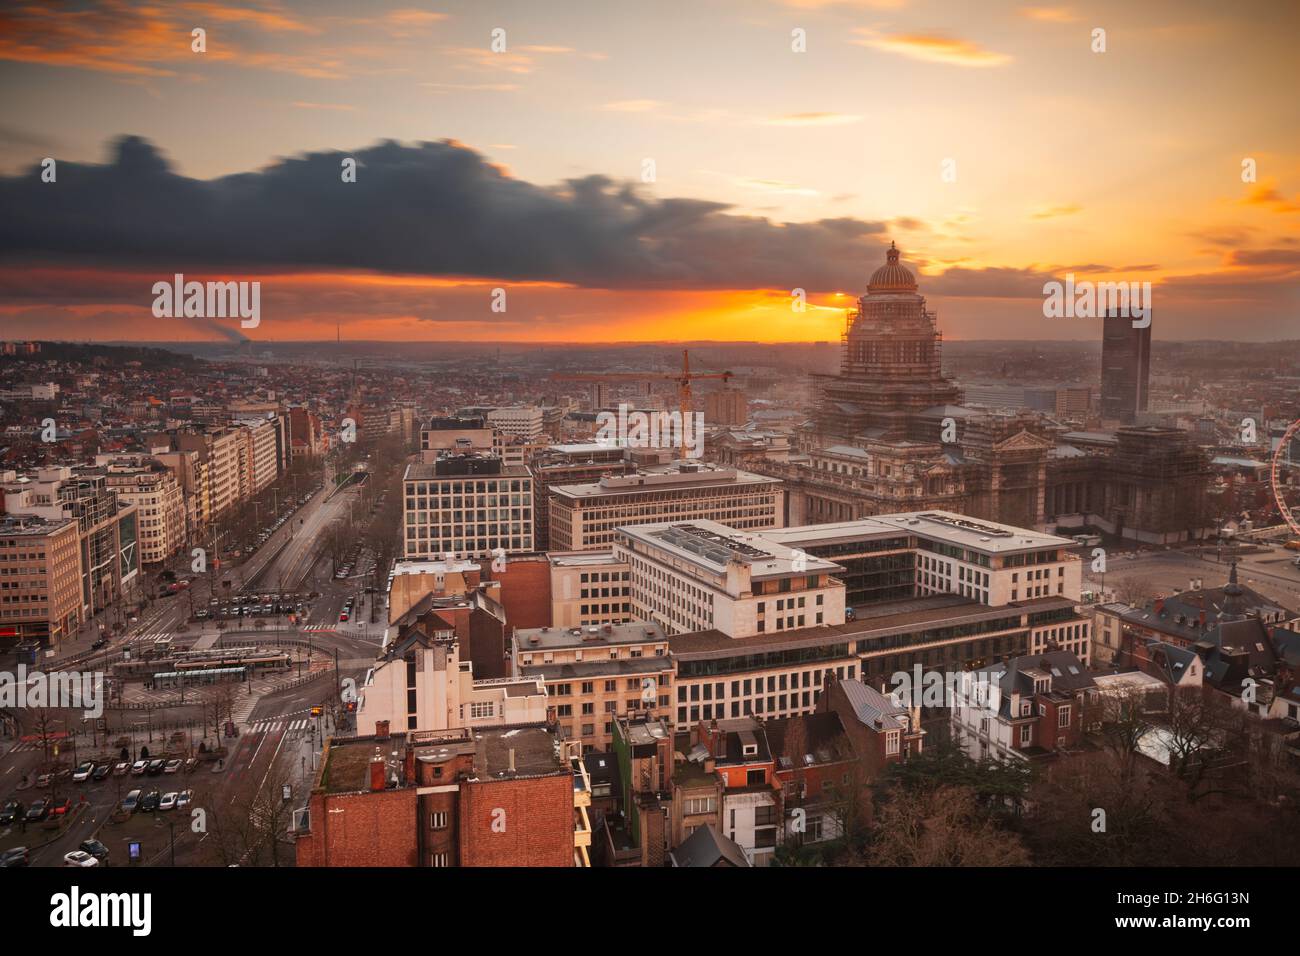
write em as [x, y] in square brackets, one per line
[293, 723]
[149, 637]
[319, 627]
[26, 746]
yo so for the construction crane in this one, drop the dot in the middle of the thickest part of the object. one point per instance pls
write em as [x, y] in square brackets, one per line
[683, 379]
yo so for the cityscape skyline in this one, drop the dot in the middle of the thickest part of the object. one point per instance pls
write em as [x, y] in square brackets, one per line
[770, 170]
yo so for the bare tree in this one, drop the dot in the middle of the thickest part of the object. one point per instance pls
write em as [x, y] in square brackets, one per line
[945, 826]
[1135, 590]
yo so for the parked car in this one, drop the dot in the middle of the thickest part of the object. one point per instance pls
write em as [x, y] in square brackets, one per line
[139, 767]
[98, 642]
[343, 616]
[122, 769]
[38, 811]
[16, 856]
[44, 779]
[102, 771]
[10, 812]
[149, 802]
[184, 799]
[83, 772]
[191, 764]
[79, 858]
[168, 801]
[132, 802]
[173, 766]
[95, 849]
[201, 613]
[156, 766]
[62, 806]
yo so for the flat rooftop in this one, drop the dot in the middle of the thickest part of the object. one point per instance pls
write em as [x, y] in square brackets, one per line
[893, 617]
[678, 475]
[347, 767]
[18, 526]
[580, 559]
[974, 534]
[593, 635]
[714, 545]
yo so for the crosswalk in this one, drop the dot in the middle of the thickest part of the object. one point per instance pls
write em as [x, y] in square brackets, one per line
[149, 637]
[319, 627]
[26, 746]
[294, 724]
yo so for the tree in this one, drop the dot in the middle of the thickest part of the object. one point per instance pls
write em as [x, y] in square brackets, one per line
[942, 826]
[1135, 590]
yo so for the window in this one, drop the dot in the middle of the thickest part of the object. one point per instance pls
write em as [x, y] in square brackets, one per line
[1063, 717]
[1026, 734]
[438, 821]
[440, 859]
[893, 740]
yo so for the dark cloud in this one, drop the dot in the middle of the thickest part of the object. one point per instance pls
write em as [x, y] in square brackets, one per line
[423, 209]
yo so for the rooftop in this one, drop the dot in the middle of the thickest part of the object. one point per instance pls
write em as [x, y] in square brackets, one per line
[706, 542]
[989, 537]
[595, 635]
[887, 618]
[680, 474]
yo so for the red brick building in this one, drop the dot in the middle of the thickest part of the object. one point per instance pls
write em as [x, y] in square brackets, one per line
[448, 798]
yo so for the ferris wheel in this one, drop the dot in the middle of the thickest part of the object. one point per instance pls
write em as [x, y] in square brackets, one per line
[1281, 491]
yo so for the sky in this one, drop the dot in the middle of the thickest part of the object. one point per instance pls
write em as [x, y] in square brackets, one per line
[632, 171]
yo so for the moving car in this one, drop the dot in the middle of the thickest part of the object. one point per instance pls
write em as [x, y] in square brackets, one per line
[79, 858]
[44, 780]
[98, 642]
[168, 801]
[38, 811]
[17, 856]
[10, 812]
[95, 849]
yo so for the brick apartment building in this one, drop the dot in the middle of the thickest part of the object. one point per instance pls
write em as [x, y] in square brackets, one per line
[447, 798]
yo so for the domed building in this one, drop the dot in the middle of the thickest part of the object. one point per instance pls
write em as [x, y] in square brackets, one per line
[891, 363]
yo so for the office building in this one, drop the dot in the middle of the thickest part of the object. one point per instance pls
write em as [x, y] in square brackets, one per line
[587, 516]
[467, 505]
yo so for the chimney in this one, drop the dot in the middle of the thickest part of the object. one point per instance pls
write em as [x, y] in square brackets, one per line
[1202, 618]
[512, 759]
[717, 741]
[377, 770]
[408, 767]
[381, 730]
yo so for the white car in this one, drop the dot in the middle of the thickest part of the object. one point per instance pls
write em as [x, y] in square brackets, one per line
[168, 801]
[79, 858]
[184, 799]
[83, 772]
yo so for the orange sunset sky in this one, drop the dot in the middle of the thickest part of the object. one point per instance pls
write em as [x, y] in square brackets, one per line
[989, 140]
